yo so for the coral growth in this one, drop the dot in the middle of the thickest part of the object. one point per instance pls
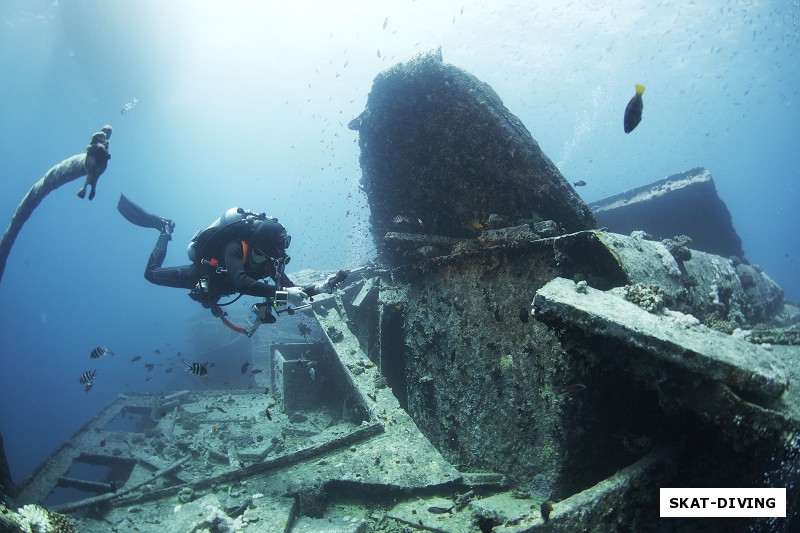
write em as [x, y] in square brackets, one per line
[218, 522]
[649, 297]
[34, 519]
[679, 247]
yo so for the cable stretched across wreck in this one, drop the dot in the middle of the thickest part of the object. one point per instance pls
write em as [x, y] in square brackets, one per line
[92, 164]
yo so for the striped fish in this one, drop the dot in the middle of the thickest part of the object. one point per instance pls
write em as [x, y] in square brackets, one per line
[100, 351]
[129, 105]
[87, 379]
[198, 369]
[405, 220]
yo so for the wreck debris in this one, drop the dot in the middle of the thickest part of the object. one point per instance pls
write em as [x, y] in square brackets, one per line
[681, 204]
[439, 146]
[5, 471]
[379, 445]
[80, 504]
[747, 368]
[722, 293]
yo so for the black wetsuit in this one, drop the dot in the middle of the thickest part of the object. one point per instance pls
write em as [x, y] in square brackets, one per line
[232, 275]
[182, 277]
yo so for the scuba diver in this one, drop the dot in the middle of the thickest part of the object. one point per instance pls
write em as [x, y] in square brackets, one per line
[232, 255]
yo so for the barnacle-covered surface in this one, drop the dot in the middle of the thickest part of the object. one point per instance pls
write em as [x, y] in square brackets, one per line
[483, 381]
[442, 155]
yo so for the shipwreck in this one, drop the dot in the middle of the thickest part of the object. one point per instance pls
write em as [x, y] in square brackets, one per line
[505, 365]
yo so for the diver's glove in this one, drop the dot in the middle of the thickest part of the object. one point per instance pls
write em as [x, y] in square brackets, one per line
[295, 296]
[330, 284]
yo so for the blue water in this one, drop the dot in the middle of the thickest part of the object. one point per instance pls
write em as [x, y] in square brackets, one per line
[246, 104]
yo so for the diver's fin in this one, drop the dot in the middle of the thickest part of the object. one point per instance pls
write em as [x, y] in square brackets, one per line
[136, 215]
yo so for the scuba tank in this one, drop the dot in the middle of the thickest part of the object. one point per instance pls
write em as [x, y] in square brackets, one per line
[235, 224]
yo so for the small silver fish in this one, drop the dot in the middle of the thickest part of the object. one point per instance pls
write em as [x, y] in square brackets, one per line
[312, 373]
[99, 352]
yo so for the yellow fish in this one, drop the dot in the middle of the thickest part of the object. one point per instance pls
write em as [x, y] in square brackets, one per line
[633, 112]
